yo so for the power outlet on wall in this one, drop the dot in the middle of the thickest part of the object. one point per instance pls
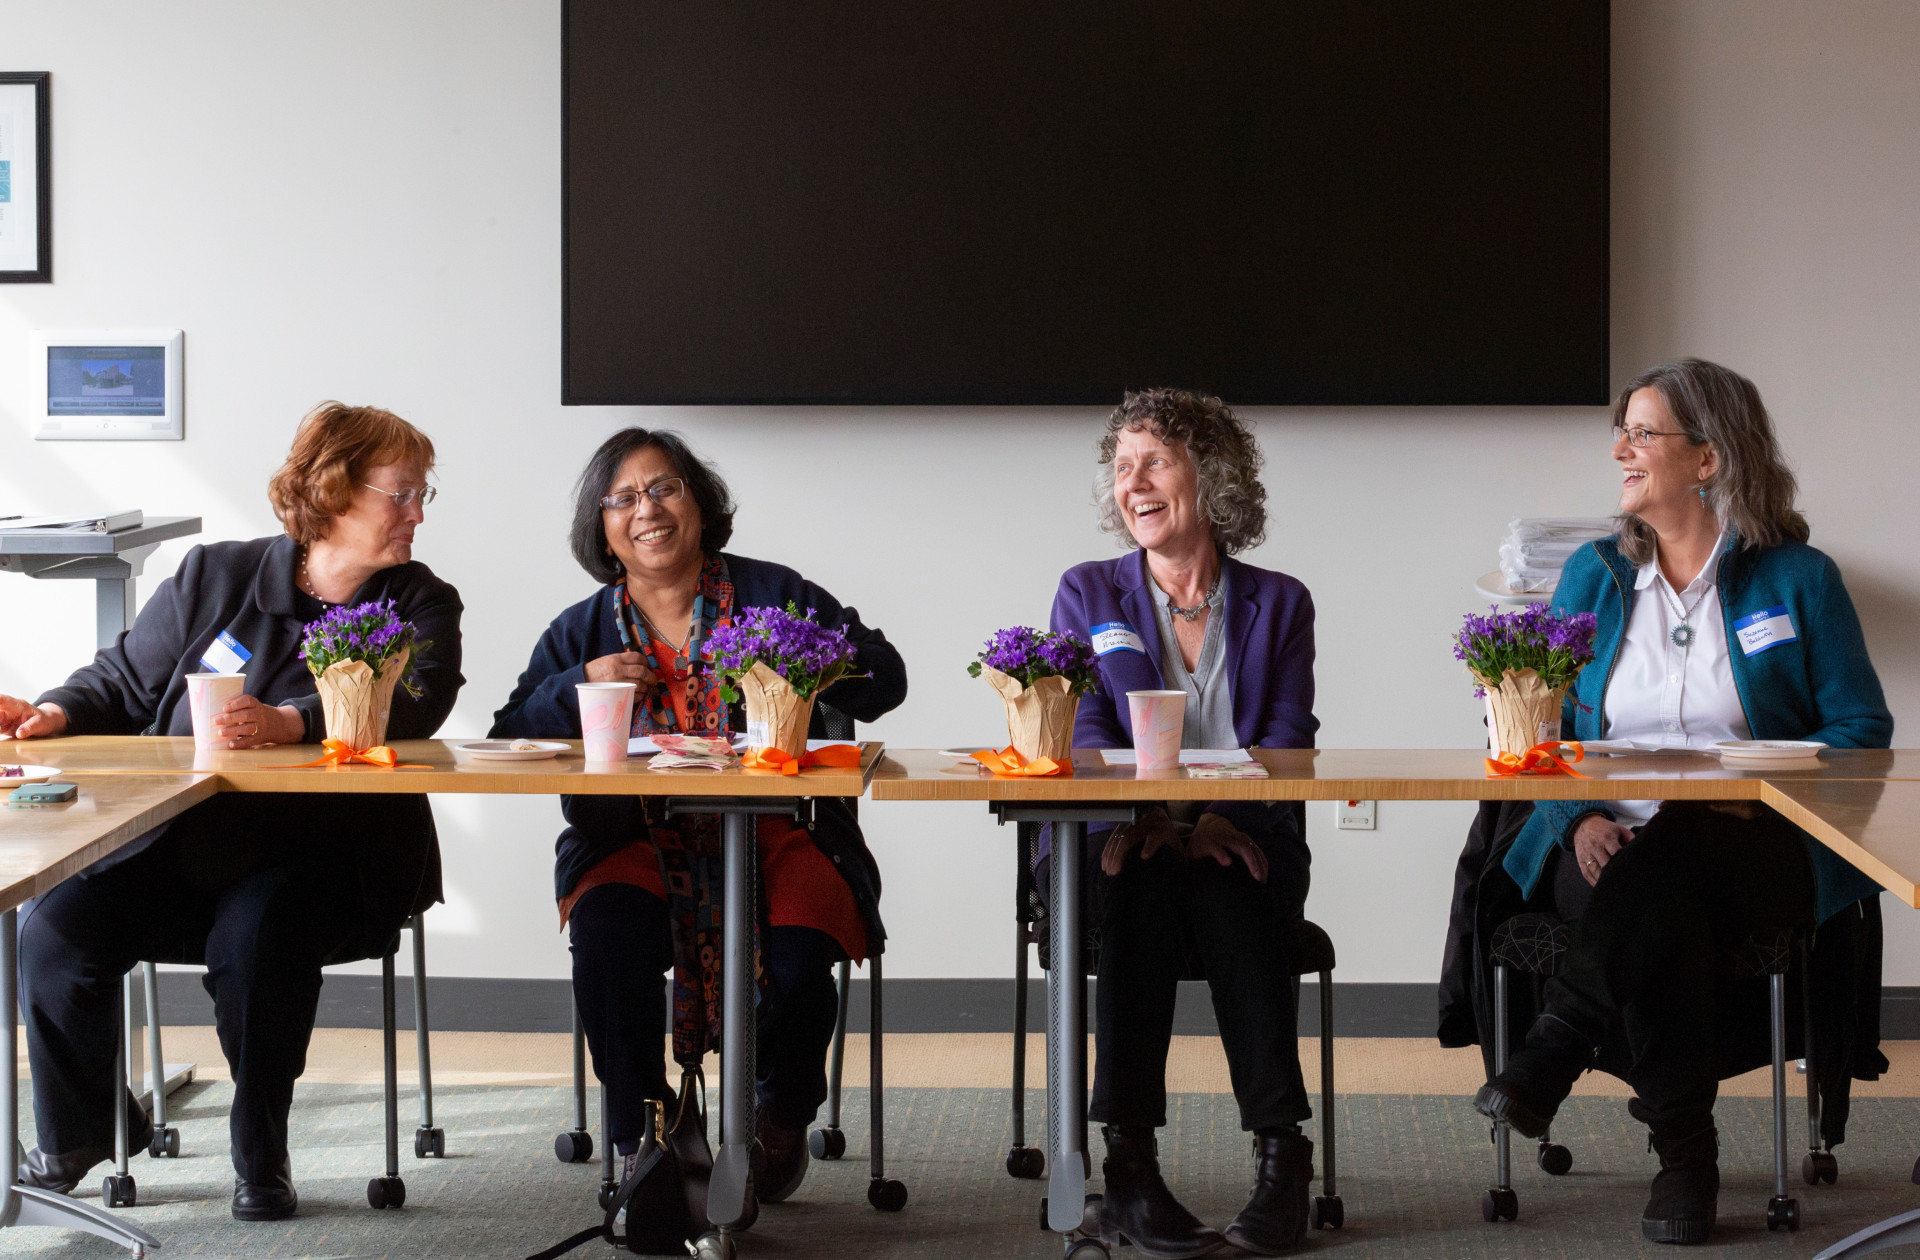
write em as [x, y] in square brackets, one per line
[1356, 815]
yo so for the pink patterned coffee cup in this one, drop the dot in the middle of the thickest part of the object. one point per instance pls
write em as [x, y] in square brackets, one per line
[208, 694]
[606, 719]
[1158, 718]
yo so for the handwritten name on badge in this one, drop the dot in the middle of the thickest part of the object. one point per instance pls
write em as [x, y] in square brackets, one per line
[1768, 628]
[1117, 636]
[225, 655]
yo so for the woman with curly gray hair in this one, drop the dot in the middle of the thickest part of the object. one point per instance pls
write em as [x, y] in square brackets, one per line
[1179, 483]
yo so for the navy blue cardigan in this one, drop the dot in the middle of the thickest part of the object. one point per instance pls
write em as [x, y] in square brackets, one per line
[545, 705]
[1820, 685]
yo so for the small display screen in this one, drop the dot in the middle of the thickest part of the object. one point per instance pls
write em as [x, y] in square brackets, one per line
[106, 381]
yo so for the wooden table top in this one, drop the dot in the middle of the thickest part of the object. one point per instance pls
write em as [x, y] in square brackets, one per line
[1875, 826]
[268, 770]
[1381, 774]
[42, 845]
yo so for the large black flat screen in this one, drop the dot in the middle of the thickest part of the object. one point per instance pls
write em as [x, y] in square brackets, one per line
[1033, 201]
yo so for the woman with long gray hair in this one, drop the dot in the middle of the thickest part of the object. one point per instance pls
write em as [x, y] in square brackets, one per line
[1180, 485]
[1716, 622]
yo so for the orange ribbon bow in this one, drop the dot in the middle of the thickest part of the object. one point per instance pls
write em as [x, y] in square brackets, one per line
[1539, 759]
[838, 756]
[340, 753]
[1008, 761]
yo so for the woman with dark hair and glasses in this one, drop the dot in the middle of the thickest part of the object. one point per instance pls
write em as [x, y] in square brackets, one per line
[1716, 622]
[649, 523]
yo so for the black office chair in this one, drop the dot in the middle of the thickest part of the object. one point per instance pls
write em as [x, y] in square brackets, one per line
[575, 1145]
[1313, 954]
[1535, 945]
[119, 1188]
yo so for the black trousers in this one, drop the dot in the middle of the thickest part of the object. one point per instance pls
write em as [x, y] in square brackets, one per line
[1158, 913]
[262, 914]
[1646, 978]
[622, 948]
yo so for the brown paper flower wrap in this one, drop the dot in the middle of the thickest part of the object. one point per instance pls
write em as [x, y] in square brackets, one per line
[776, 718]
[1525, 711]
[357, 702]
[1040, 717]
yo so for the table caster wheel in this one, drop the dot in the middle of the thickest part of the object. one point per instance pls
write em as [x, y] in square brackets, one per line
[429, 1144]
[165, 1142]
[714, 1246]
[119, 1192]
[573, 1147]
[1783, 1214]
[826, 1143]
[607, 1191]
[1555, 1160]
[1328, 1212]
[1818, 1167]
[1090, 1215]
[1087, 1249]
[887, 1194]
[386, 1192]
[1028, 1163]
[1500, 1204]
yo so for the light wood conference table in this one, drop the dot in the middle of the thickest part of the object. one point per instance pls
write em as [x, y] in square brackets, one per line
[41, 846]
[1862, 803]
[431, 766]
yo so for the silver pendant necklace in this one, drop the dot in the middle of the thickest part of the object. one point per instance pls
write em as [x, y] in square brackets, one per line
[1683, 634]
[1193, 613]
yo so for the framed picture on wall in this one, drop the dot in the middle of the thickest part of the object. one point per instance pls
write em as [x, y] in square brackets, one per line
[26, 178]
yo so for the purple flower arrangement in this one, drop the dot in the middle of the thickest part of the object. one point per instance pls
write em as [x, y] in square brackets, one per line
[1556, 645]
[1026, 654]
[372, 632]
[792, 644]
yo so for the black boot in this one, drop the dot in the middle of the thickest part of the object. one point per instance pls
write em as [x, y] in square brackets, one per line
[1539, 1076]
[61, 1173]
[1686, 1190]
[1138, 1207]
[269, 1200]
[1275, 1218]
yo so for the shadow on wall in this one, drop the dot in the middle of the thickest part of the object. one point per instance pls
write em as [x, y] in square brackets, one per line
[1889, 612]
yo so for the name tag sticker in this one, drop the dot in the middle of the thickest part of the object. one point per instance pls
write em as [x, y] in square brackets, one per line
[1117, 636]
[1768, 628]
[225, 655]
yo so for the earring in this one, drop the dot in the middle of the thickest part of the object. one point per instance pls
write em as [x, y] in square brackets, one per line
[1703, 493]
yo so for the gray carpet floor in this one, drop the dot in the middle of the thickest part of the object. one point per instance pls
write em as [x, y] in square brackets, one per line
[1411, 1172]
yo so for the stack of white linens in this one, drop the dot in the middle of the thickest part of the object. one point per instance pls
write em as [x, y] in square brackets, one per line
[1537, 548]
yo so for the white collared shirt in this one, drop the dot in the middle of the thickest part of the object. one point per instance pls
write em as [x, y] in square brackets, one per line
[1662, 693]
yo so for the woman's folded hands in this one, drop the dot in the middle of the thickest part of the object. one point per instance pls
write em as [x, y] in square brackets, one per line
[1211, 837]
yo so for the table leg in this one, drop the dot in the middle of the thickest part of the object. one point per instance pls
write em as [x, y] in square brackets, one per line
[1895, 1231]
[1066, 1037]
[22, 1205]
[730, 1193]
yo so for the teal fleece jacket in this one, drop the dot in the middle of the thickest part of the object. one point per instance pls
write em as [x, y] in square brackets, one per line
[1818, 685]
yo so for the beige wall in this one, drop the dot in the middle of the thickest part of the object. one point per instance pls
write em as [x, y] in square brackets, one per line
[361, 201]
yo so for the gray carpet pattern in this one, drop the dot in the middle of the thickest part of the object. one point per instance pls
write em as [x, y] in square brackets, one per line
[1411, 1170]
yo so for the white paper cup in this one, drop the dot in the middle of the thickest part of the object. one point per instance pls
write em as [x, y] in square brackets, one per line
[207, 694]
[606, 718]
[1158, 718]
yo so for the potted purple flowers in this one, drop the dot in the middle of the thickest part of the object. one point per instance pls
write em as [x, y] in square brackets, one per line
[1523, 662]
[781, 660]
[1041, 677]
[357, 657]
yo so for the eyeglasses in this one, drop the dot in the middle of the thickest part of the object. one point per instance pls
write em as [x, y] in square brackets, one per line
[666, 490]
[1637, 436]
[405, 498]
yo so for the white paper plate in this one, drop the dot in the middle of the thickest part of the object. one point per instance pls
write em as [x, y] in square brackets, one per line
[1765, 753]
[503, 750]
[28, 774]
[965, 754]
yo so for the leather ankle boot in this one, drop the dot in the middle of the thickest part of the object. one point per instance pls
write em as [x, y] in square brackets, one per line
[1138, 1207]
[1275, 1218]
[1539, 1076]
[59, 1174]
[270, 1200]
[1685, 1195]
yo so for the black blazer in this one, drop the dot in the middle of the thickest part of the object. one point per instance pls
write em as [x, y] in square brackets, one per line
[248, 589]
[544, 703]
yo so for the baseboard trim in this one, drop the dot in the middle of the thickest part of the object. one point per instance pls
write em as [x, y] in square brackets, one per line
[472, 1004]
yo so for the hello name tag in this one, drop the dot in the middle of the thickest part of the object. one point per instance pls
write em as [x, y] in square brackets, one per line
[1117, 636]
[1768, 628]
[225, 655]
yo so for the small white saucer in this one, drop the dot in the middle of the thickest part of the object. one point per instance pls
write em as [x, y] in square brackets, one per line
[965, 754]
[1769, 754]
[27, 775]
[503, 750]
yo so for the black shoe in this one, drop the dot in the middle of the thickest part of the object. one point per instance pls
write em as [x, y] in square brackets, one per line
[1686, 1191]
[1138, 1207]
[786, 1160]
[272, 1200]
[1275, 1218]
[1539, 1076]
[59, 1174]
